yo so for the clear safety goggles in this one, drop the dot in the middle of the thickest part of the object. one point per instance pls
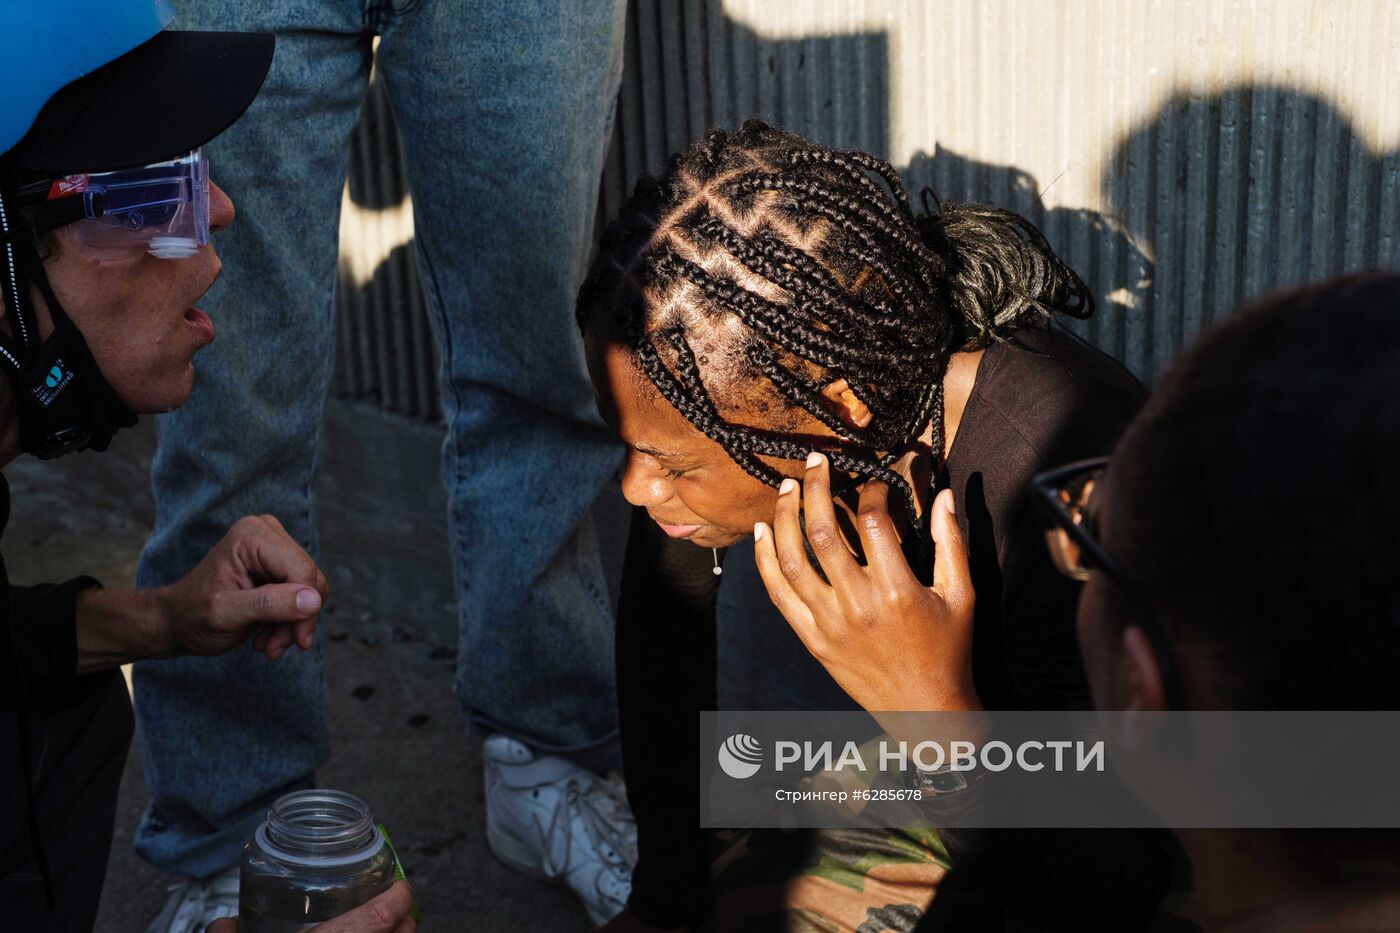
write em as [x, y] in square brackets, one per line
[161, 209]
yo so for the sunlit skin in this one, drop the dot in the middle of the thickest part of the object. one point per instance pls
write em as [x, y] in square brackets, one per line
[136, 314]
[688, 483]
[142, 324]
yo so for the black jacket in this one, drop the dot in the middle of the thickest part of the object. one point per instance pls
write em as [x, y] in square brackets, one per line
[38, 676]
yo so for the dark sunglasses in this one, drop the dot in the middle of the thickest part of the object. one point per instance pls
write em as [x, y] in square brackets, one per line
[1064, 494]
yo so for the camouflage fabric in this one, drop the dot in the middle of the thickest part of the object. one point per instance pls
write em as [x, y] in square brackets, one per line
[856, 880]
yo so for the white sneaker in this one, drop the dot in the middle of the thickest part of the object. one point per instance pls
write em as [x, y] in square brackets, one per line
[548, 817]
[194, 904]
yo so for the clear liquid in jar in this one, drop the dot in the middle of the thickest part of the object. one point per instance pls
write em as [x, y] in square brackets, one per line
[273, 905]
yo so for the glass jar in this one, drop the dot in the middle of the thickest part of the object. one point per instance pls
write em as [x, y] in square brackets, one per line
[318, 855]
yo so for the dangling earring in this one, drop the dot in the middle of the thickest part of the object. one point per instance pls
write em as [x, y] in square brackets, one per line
[718, 569]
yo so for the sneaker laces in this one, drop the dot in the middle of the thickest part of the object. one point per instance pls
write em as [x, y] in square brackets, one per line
[599, 806]
[203, 901]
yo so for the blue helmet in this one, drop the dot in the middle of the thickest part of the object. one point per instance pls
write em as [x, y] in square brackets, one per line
[93, 85]
[52, 43]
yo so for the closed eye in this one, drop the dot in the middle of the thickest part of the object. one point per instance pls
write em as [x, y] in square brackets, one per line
[656, 457]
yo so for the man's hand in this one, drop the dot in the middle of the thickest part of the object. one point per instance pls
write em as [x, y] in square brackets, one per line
[889, 641]
[256, 582]
[387, 913]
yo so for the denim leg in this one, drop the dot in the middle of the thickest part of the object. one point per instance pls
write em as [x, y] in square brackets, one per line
[506, 110]
[224, 736]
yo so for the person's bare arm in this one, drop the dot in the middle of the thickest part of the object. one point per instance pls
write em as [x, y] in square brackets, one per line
[256, 582]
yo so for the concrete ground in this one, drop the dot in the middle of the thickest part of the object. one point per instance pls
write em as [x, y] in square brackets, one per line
[389, 636]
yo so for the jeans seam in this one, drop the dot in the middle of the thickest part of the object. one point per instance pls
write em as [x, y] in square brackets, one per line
[379, 11]
[449, 386]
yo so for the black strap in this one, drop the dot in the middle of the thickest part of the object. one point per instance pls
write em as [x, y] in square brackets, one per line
[20, 241]
[64, 402]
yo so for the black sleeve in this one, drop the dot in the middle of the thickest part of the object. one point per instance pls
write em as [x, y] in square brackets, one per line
[44, 627]
[1082, 416]
[1038, 606]
[666, 676]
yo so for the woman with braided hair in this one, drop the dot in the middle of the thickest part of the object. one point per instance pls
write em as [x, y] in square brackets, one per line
[768, 299]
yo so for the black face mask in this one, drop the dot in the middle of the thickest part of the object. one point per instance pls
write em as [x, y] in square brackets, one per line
[63, 401]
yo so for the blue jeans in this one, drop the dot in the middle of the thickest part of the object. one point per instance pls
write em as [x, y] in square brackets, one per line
[506, 110]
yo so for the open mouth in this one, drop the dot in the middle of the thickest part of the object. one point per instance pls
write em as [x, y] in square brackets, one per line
[201, 323]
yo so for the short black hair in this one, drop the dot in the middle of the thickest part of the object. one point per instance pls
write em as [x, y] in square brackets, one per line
[1256, 499]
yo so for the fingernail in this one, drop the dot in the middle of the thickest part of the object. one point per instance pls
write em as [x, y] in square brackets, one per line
[308, 601]
[758, 532]
[788, 486]
[948, 503]
[813, 459]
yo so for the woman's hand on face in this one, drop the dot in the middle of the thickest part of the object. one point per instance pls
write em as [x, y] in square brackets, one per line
[889, 641]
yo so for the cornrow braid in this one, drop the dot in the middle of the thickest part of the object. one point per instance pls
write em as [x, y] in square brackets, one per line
[872, 359]
[830, 204]
[856, 164]
[697, 407]
[813, 271]
[795, 272]
[747, 443]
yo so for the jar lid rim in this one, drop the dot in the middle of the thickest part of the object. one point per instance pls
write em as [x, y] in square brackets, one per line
[321, 861]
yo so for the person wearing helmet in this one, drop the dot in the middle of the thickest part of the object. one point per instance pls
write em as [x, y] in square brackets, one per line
[106, 209]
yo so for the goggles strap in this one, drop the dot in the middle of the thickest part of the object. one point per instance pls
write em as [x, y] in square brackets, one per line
[63, 400]
[16, 238]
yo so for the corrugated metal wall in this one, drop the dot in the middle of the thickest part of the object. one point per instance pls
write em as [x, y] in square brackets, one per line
[384, 350]
[1181, 155]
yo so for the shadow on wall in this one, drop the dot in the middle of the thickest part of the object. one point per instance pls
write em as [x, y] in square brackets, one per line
[1211, 200]
[385, 352]
[690, 67]
[1208, 201]
[1236, 193]
[378, 176]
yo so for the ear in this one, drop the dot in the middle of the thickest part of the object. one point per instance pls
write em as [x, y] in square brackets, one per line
[848, 408]
[1145, 691]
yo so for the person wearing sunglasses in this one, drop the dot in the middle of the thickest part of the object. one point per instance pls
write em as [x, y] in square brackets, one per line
[106, 213]
[1238, 551]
